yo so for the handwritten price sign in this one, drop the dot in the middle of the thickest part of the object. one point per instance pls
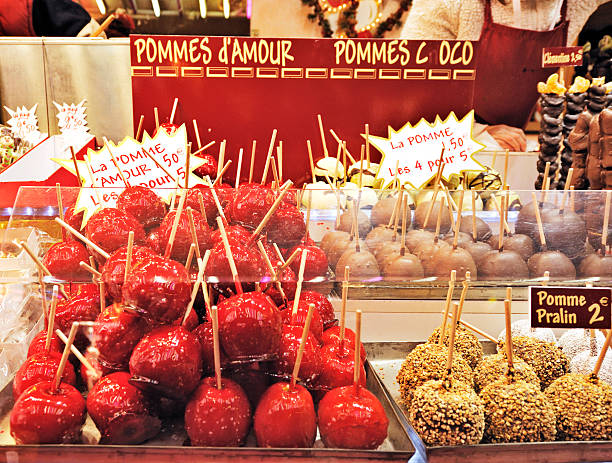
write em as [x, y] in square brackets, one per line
[553, 57]
[72, 121]
[413, 153]
[24, 123]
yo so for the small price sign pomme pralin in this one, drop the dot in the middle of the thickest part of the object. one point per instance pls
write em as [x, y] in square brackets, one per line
[570, 307]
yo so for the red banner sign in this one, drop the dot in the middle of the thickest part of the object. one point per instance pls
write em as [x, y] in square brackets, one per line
[241, 88]
[554, 57]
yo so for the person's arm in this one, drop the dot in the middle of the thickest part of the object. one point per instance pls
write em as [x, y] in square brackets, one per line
[432, 20]
[58, 18]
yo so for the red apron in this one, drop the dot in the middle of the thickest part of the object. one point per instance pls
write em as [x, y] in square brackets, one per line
[510, 67]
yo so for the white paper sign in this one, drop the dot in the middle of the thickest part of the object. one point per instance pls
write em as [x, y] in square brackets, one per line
[24, 124]
[72, 121]
[413, 152]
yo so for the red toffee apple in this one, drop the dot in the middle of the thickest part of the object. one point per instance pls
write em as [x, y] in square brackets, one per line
[208, 168]
[285, 417]
[236, 234]
[159, 288]
[332, 336]
[113, 271]
[44, 416]
[310, 368]
[110, 227]
[218, 417]
[322, 305]
[253, 380]
[182, 239]
[154, 242]
[316, 262]
[204, 334]
[250, 326]
[40, 367]
[122, 413]
[142, 204]
[250, 205]
[286, 226]
[171, 356]
[115, 335]
[248, 263]
[168, 127]
[38, 344]
[299, 319]
[75, 220]
[352, 418]
[288, 282]
[62, 259]
[83, 306]
[337, 367]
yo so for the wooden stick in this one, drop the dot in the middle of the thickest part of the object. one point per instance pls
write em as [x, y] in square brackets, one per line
[493, 161]
[107, 22]
[449, 298]
[90, 269]
[274, 171]
[218, 180]
[345, 283]
[229, 255]
[505, 177]
[339, 141]
[508, 314]
[158, 164]
[175, 224]
[279, 159]
[128, 259]
[474, 228]
[77, 354]
[51, 319]
[539, 221]
[221, 161]
[477, 330]
[435, 193]
[102, 293]
[264, 176]
[216, 351]
[400, 198]
[187, 169]
[43, 293]
[279, 253]
[603, 352]
[291, 258]
[203, 262]
[355, 218]
[322, 132]
[300, 282]
[194, 291]
[450, 204]
[458, 224]
[312, 167]
[283, 191]
[497, 208]
[439, 220]
[500, 242]
[300, 352]
[172, 114]
[357, 366]
[404, 226]
[76, 166]
[194, 235]
[197, 134]
[156, 114]
[572, 199]
[208, 145]
[273, 272]
[252, 166]
[139, 130]
[64, 359]
[464, 290]
[239, 168]
[568, 180]
[606, 221]
[451, 342]
[190, 254]
[545, 183]
[367, 146]
[60, 206]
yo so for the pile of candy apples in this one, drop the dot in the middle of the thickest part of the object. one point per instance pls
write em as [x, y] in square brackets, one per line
[160, 335]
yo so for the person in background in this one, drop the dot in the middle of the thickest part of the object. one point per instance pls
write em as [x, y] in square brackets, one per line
[512, 34]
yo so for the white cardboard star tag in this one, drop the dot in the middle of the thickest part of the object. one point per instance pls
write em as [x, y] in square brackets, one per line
[72, 121]
[24, 124]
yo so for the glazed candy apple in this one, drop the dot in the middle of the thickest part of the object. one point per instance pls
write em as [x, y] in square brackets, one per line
[288, 282]
[248, 263]
[113, 271]
[204, 334]
[154, 242]
[40, 367]
[168, 127]
[142, 204]
[73, 218]
[38, 344]
[299, 319]
[209, 167]
[316, 262]
[159, 288]
[218, 417]
[337, 367]
[236, 234]
[310, 368]
[352, 418]
[285, 417]
[171, 356]
[83, 306]
[182, 240]
[110, 227]
[250, 205]
[44, 416]
[322, 306]
[122, 412]
[332, 336]
[250, 326]
[115, 335]
[62, 259]
[286, 226]
[254, 380]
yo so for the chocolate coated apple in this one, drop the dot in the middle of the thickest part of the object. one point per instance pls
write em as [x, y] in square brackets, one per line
[62, 259]
[333, 244]
[380, 236]
[40, 367]
[595, 265]
[403, 268]
[504, 265]
[483, 230]
[415, 237]
[519, 243]
[448, 259]
[347, 219]
[421, 212]
[362, 264]
[556, 263]
[142, 204]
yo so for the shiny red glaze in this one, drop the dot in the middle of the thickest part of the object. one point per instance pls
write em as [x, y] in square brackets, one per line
[310, 368]
[251, 203]
[38, 344]
[288, 283]
[83, 306]
[115, 335]
[41, 416]
[332, 336]
[160, 288]
[209, 167]
[299, 319]
[143, 204]
[286, 226]
[41, 367]
[172, 356]
[205, 336]
[168, 128]
[110, 227]
[225, 193]
[323, 306]
[90, 378]
[62, 259]
[236, 234]
[153, 241]
[285, 417]
[121, 412]
[210, 207]
[218, 417]
[338, 366]
[250, 326]
[248, 264]
[191, 323]
[182, 240]
[73, 219]
[113, 271]
[316, 261]
[352, 418]
[253, 381]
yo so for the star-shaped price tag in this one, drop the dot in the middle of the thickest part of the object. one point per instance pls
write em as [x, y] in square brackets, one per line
[72, 121]
[24, 124]
[413, 152]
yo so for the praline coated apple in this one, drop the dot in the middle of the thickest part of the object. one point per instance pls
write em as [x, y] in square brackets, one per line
[310, 368]
[218, 417]
[142, 204]
[403, 268]
[352, 418]
[182, 239]
[38, 344]
[421, 213]
[316, 261]
[415, 237]
[110, 227]
[113, 271]
[383, 210]
[322, 305]
[362, 264]
[43, 416]
[62, 259]
[172, 356]
[159, 288]
[556, 263]
[332, 336]
[521, 244]
[483, 230]
[285, 417]
[333, 244]
[122, 412]
[448, 259]
[379, 236]
[41, 367]
[595, 265]
[250, 326]
[347, 219]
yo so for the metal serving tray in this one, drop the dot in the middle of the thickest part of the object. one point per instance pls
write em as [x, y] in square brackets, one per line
[169, 445]
[386, 359]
